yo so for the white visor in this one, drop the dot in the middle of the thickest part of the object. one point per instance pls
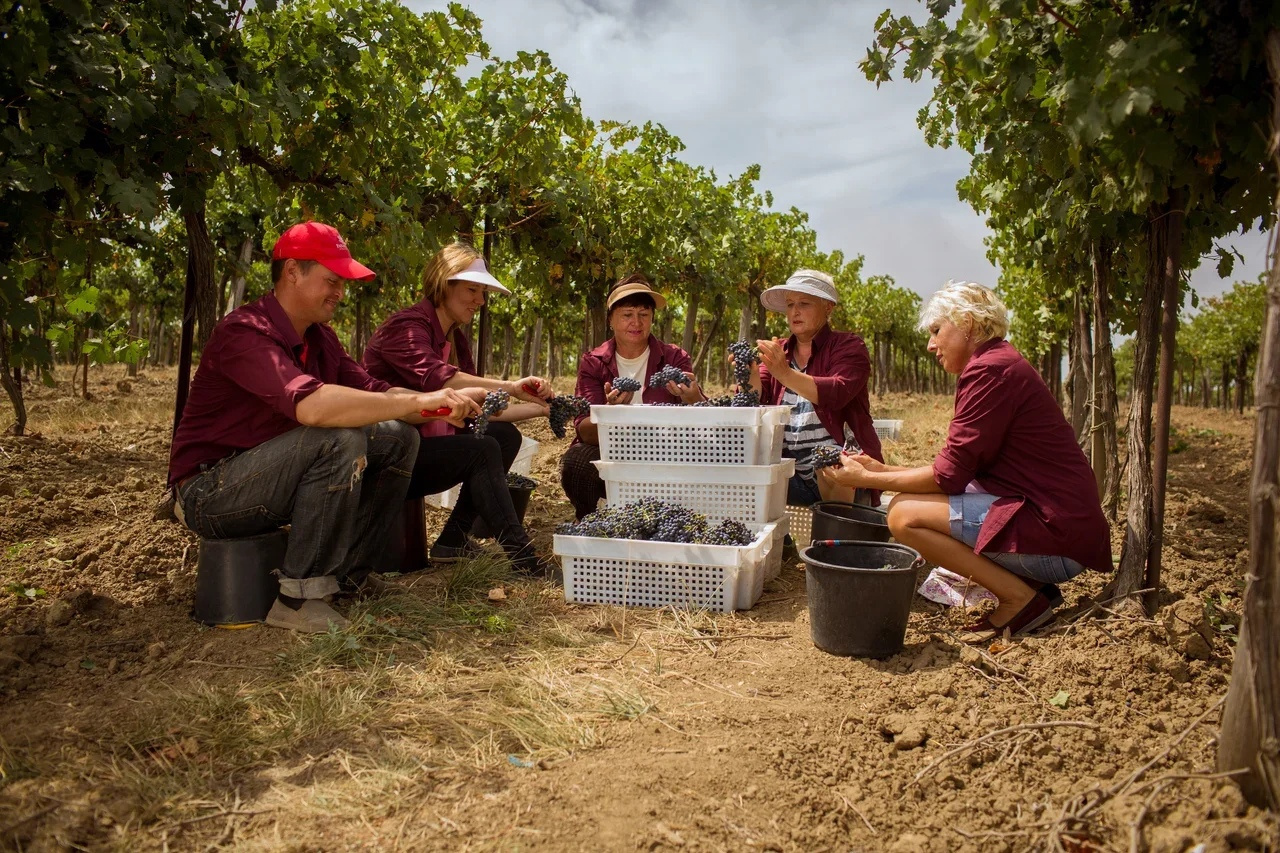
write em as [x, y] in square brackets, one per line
[478, 273]
[802, 281]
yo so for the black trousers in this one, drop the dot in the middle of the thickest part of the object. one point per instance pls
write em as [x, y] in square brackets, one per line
[580, 479]
[480, 464]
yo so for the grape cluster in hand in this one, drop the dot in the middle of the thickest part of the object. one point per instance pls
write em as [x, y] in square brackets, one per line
[494, 402]
[670, 373]
[826, 456]
[626, 385]
[745, 357]
[657, 520]
[564, 408]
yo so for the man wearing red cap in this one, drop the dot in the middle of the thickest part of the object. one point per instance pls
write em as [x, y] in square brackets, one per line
[283, 427]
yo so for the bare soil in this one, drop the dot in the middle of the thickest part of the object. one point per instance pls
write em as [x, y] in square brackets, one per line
[448, 720]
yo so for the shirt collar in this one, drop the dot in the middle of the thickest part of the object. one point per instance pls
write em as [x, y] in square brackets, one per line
[819, 340]
[279, 319]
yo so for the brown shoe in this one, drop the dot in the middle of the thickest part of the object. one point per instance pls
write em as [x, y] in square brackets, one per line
[313, 617]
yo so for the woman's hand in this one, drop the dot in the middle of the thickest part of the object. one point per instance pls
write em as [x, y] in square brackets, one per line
[850, 472]
[772, 355]
[531, 389]
[690, 393]
[616, 398]
[868, 463]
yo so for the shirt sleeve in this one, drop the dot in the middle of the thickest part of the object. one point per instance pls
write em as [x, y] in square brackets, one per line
[768, 386]
[265, 369]
[845, 376]
[984, 410]
[353, 375]
[590, 383]
[408, 349]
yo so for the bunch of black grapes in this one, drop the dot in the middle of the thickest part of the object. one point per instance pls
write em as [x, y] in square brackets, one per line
[626, 385]
[519, 481]
[564, 408]
[494, 402]
[726, 400]
[826, 456]
[657, 520]
[670, 373]
[745, 357]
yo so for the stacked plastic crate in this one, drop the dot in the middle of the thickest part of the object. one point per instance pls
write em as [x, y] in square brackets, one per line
[722, 462]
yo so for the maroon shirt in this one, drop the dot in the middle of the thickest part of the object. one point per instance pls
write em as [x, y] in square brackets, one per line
[408, 350]
[599, 366]
[250, 380]
[1010, 435]
[840, 366]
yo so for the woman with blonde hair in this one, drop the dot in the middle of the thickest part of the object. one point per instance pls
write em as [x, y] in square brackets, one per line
[1010, 501]
[425, 347]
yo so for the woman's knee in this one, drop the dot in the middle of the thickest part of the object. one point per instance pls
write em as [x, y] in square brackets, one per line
[907, 514]
[509, 439]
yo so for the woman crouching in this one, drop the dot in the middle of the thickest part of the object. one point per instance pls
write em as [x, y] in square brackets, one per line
[1010, 502]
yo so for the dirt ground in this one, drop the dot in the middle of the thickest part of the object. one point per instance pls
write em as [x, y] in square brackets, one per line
[444, 720]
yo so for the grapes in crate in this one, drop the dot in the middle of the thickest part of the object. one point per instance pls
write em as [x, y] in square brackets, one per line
[670, 373]
[657, 520]
[564, 408]
[626, 385]
[494, 402]
[519, 481]
[826, 456]
[726, 400]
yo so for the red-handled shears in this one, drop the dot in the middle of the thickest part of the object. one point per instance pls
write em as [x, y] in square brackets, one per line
[429, 414]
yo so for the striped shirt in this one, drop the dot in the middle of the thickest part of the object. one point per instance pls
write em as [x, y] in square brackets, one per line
[804, 433]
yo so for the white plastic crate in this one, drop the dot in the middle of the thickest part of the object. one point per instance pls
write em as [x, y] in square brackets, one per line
[638, 573]
[800, 519]
[748, 493]
[773, 562]
[699, 435]
[887, 428]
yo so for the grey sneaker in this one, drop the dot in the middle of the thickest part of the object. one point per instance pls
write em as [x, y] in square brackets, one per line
[469, 550]
[313, 617]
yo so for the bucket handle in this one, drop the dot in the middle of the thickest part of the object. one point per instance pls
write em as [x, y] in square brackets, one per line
[917, 563]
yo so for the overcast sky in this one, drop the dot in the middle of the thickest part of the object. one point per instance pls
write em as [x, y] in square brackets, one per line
[777, 83]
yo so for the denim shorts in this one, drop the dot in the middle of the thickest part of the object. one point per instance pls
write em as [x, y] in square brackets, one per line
[969, 510]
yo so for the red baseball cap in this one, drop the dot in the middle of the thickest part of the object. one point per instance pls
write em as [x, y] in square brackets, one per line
[315, 241]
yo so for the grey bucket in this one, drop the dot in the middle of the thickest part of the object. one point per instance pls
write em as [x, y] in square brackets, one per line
[519, 499]
[839, 520]
[859, 596]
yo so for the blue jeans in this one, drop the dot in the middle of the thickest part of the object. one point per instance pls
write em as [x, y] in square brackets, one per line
[340, 489]
[969, 510]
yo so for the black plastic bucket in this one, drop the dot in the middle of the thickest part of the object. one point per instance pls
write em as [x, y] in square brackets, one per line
[519, 499]
[838, 520]
[859, 596]
[234, 581]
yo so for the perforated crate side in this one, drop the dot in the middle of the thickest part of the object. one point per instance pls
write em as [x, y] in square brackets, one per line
[614, 580]
[689, 435]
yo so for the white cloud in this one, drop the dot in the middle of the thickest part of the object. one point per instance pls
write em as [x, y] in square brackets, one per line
[778, 83]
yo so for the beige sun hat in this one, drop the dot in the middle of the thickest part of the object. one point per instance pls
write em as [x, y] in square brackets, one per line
[811, 282]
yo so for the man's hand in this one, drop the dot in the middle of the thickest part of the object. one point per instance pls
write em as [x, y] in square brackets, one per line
[461, 404]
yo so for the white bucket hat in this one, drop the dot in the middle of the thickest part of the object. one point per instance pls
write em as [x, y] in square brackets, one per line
[812, 282]
[479, 273]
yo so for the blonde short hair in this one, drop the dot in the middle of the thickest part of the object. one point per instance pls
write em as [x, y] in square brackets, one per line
[444, 265]
[963, 302]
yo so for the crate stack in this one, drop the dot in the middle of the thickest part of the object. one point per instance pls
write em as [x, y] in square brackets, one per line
[719, 461]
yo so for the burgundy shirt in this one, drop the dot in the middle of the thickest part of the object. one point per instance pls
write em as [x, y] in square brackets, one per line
[252, 376]
[599, 366]
[1010, 435]
[409, 350]
[840, 366]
